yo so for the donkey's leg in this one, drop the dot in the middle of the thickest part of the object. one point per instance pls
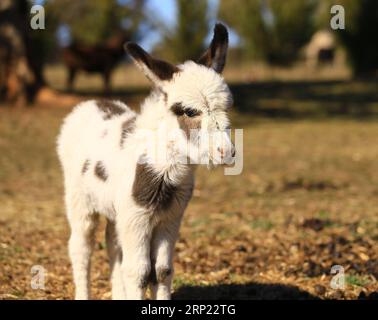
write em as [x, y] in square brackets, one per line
[115, 260]
[106, 77]
[163, 244]
[71, 78]
[135, 236]
[83, 226]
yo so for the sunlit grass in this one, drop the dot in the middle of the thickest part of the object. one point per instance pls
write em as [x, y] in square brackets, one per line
[237, 229]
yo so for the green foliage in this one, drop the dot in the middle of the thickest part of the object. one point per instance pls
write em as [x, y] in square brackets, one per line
[357, 280]
[92, 21]
[262, 224]
[186, 40]
[276, 39]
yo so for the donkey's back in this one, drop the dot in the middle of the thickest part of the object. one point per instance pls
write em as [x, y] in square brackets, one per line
[89, 148]
[90, 128]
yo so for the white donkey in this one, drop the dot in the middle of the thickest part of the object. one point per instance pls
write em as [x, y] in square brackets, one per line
[110, 168]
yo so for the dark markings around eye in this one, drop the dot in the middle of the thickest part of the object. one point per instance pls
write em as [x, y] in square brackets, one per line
[179, 110]
[192, 113]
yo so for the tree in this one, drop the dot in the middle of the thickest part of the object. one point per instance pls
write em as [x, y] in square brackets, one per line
[20, 70]
[271, 30]
[358, 37]
[94, 21]
[185, 40]
[23, 51]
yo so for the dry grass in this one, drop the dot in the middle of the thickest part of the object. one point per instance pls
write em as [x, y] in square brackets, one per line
[307, 199]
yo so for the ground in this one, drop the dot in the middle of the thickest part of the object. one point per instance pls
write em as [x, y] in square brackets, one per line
[307, 198]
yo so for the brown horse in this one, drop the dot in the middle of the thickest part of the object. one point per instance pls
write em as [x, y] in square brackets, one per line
[101, 58]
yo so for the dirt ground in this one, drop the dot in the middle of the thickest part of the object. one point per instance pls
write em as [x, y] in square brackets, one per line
[307, 200]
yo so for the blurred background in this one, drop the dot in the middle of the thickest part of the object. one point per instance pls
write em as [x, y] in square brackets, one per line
[269, 40]
[305, 95]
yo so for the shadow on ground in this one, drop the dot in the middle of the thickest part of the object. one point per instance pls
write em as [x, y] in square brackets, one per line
[252, 291]
[298, 99]
[286, 99]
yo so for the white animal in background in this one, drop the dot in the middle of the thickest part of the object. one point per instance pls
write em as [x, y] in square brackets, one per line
[110, 168]
[321, 48]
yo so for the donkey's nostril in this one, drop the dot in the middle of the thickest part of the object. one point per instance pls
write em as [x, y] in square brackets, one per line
[233, 152]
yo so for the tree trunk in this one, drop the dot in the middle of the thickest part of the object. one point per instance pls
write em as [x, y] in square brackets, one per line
[20, 78]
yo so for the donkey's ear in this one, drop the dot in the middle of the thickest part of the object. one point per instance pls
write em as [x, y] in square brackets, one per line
[156, 70]
[215, 56]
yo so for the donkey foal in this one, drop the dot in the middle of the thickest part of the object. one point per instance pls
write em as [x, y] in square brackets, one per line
[110, 168]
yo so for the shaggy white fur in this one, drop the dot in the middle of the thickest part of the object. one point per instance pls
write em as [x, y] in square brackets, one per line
[127, 167]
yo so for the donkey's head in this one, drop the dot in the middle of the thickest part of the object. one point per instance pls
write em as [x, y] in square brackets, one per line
[195, 96]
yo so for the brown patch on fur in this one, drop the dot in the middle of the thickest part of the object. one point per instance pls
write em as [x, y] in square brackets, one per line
[128, 126]
[151, 190]
[144, 282]
[100, 171]
[186, 124]
[165, 97]
[109, 108]
[159, 275]
[85, 167]
[162, 274]
[177, 109]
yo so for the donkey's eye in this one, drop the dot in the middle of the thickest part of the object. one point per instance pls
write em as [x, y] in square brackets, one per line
[192, 113]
